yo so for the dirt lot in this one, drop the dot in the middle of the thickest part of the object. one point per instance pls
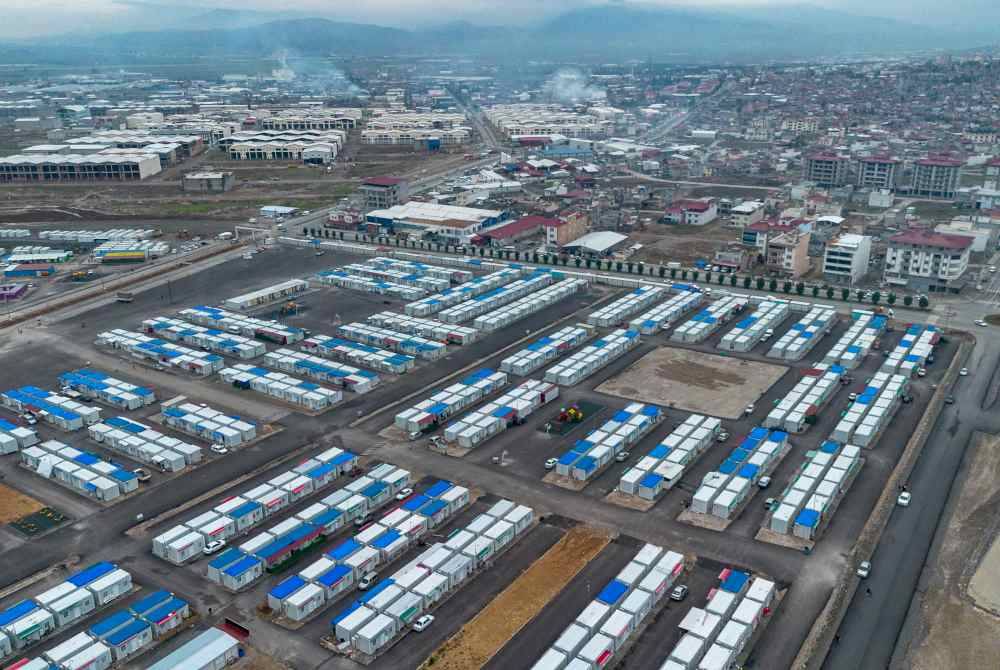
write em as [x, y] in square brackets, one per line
[684, 244]
[14, 504]
[518, 604]
[956, 634]
[694, 381]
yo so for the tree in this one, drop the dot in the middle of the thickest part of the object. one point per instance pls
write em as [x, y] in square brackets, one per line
[722, 279]
[907, 300]
[565, 260]
[829, 292]
[673, 273]
[662, 271]
[640, 268]
[747, 281]
[859, 295]
[708, 276]
[534, 258]
[815, 291]
[694, 275]
[482, 251]
[588, 263]
[760, 283]
[924, 302]
[891, 299]
[629, 265]
[787, 286]
[545, 258]
[577, 261]
[876, 297]
[618, 266]
[772, 285]
[733, 280]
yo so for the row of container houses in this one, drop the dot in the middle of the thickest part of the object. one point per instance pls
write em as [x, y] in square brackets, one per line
[911, 354]
[604, 626]
[800, 407]
[387, 610]
[429, 328]
[83, 472]
[209, 424]
[283, 387]
[816, 490]
[59, 607]
[598, 448]
[594, 356]
[750, 330]
[219, 341]
[494, 417]
[282, 291]
[144, 444]
[456, 294]
[664, 466]
[201, 363]
[633, 302]
[548, 348]
[97, 236]
[872, 410]
[237, 515]
[451, 275]
[360, 354]
[54, 409]
[528, 305]
[341, 278]
[239, 324]
[723, 491]
[338, 374]
[269, 549]
[857, 342]
[428, 414]
[14, 233]
[13, 438]
[709, 319]
[492, 300]
[412, 345]
[401, 277]
[100, 386]
[662, 316]
[717, 635]
[804, 334]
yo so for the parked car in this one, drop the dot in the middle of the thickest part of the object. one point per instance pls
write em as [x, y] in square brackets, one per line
[722, 436]
[980, 323]
[764, 482]
[679, 592]
[29, 418]
[749, 409]
[423, 622]
[852, 397]
[904, 499]
[949, 400]
[142, 474]
[551, 463]
[213, 547]
[770, 503]
[921, 372]
[864, 569]
[963, 372]
[404, 494]
[367, 580]
[220, 449]
[622, 456]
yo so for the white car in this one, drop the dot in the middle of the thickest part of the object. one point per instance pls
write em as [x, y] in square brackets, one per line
[367, 581]
[220, 449]
[551, 463]
[764, 482]
[980, 323]
[404, 494]
[963, 372]
[864, 569]
[213, 547]
[921, 372]
[423, 622]
[904, 499]
[749, 409]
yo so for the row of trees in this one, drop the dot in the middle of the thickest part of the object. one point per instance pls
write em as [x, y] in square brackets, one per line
[629, 267]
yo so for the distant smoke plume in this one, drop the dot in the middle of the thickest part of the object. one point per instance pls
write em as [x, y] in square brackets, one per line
[570, 85]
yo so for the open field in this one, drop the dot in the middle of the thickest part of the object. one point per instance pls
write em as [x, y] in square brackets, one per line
[14, 504]
[694, 381]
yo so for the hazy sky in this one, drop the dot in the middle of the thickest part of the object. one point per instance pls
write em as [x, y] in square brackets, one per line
[26, 18]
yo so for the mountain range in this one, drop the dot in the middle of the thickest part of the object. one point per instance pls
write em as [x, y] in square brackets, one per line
[595, 33]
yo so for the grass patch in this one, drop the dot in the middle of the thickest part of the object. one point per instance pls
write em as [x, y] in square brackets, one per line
[14, 504]
[480, 639]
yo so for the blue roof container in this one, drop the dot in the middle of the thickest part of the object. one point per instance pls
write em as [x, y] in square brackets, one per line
[735, 582]
[333, 575]
[241, 566]
[126, 633]
[829, 447]
[88, 575]
[432, 508]
[385, 539]
[344, 549]
[112, 622]
[808, 518]
[413, 503]
[287, 587]
[749, 470]
[228, 557]
[374, 489]
[613, 592]
[324, 518]
[244, 509]
[438, 488]
[166, 610]
[346, 612]
[758, 433]
[651, 480]
[15, 612]
[151, 601]
[377, 589]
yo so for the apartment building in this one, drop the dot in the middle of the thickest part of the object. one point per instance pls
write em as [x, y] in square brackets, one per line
[936, 177]
[826, 170]
[925, 260]
[878, 172]
[846, 257]
[692, 212]
[562, 231]
[384, 192]
[747, 213]
[788, 254]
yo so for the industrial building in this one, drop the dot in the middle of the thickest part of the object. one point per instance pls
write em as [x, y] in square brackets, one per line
[427, 136]
[537, 119]
[313, 146]
[388, 120]
[76, 167]
[312, 119]
[597, 244]
[190, 145]
[846, 258]
[454, 225]
[924, 260]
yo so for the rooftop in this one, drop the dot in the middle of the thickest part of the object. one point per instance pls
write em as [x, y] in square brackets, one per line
[598, 241]
[382, 181]
[927, 238]
[940, 161]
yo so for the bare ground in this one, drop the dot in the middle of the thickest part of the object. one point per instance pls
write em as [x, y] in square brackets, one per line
[14, 504]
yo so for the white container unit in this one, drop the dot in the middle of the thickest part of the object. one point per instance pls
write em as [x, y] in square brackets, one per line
[107, 389]
[528, 305]
[383, 273]
[452, 296]
[377, 336]
[227, 344]
[143, 443]
[496, 416]
[911, 352]
[750, 330]
[162, 352]
[209, 424]
[872, 410]
[796, 411]
[429, 413]
[492, 300]
[722, 491]
[429, 328]
[804, 334]
[597, 354]
[546, 349]
[450, 275]
[857, 342]
[636, 300]
[664, 315]
[321, 369]
[284, 387]
[239, 324]
[345, 279]
[663, 468]
[356, 353]
[269, 294]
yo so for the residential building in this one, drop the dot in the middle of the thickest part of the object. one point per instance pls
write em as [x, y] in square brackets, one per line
[747, 213]
[449, 223]
[826, 170]
[216, 182]
[936, 177]
[878, 172]
[993, 168]
[562, 231]
[692, 212]
[788, 254]
[800, 125]
[384, 192]
[846, 257]
[926, 260]
[982, 135]
[983, 197]
[981, 236]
